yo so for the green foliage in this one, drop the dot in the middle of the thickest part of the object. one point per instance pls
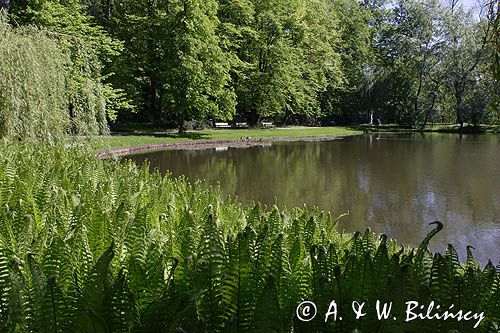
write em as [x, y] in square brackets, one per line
[100, 246]
[173, 66]
[290, 61]
[50, 85]
[434, 58]
[413, 50]
[33, 98]
[465, 53]
[197, 83]
[85, 96]
[356, 48]
[91, 48]
[288, 49]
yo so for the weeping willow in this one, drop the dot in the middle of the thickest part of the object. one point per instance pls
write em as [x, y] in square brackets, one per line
[49, 86]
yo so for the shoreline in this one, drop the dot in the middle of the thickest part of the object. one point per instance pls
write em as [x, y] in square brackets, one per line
[211, 144]
[254, 138]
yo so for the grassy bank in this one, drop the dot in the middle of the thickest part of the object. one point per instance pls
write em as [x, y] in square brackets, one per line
[436, 128]
[91, 245]
[134, 136]
[130, 139]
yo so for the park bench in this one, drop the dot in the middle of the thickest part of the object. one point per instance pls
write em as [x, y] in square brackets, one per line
[267, 124]
[222, 125]
[241, 125]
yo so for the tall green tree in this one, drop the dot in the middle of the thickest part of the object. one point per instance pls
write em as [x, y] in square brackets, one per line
[33, 95]
[91, 48]
[341, 102]
[173, 67]
[466, 50]
[198, 80]
[290, 59]
[492, 9]
[413, 49]
[139, 70]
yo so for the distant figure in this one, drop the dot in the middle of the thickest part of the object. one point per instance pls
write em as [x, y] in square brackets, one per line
[379, 122]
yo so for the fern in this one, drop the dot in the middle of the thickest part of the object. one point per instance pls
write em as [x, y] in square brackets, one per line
[267, 310]
[209, 273]
[5, 286]
[99, 246]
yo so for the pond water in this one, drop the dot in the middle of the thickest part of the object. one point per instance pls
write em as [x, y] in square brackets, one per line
[394, 183]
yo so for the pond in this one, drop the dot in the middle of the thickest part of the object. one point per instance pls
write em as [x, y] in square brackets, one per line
[394, 183]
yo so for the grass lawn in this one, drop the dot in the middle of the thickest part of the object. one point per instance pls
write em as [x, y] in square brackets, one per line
[147, 137]
[130, 140]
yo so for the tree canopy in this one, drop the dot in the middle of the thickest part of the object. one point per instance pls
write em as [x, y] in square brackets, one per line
[299, 61]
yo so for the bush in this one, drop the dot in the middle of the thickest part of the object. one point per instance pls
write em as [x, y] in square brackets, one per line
[98, 246]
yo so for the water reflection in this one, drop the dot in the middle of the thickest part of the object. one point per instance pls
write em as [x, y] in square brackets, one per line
[394, 183]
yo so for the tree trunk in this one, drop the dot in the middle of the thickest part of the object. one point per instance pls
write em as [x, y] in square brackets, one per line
[415, 102]
[152, 101]
[458, 100]
[182, 126]
[110, 5]
[459, 120]
[285, 118]
[428, 112]
[254, 117]
[458, 110]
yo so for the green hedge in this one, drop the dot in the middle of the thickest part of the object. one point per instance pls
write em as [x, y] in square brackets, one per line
[98, 246]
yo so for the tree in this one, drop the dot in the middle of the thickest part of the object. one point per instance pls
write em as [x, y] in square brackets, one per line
[197, 82]
[139, 69]
[357, 54]
[290, 58]
[465, 51]
[91, 47]
[173, 66]
[492, 9]
[40, 97]
[412, 45]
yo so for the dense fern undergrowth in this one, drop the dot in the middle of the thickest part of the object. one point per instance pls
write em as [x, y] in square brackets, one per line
[101, 246]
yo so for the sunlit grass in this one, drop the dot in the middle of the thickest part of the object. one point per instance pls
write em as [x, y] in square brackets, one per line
[118, 141]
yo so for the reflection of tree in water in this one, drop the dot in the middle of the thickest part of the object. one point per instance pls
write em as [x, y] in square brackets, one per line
[395, 184]
[215, 170]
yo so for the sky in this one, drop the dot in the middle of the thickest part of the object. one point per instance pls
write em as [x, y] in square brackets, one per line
[474, 6]
[470, 4]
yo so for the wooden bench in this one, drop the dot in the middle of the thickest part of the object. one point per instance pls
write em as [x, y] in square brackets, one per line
[222, 125]
[241, 125]
[267, 124]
